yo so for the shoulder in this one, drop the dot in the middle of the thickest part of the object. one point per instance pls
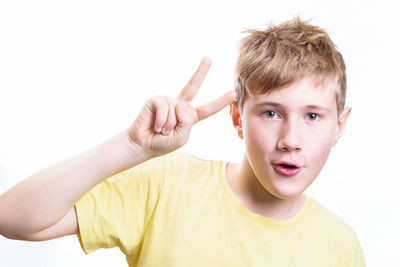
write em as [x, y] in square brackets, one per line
[188, 159]
[181, 162]
[181, 171]
[174, 164]
[326, 217]
[336, 240]
[331, 227]
[171, 166]
[339, 234]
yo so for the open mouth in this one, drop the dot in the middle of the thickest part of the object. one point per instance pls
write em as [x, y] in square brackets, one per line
[288, 166]
[287, 169]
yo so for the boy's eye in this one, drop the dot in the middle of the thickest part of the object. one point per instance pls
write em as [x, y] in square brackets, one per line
[270, 114]
[312, 116]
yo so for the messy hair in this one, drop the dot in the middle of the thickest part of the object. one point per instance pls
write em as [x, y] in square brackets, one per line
[279, 55]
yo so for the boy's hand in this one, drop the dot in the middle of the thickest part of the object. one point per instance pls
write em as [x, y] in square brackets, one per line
[164, 123]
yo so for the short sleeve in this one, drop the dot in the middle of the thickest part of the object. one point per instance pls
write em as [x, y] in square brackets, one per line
[359, 260]
[115, 213]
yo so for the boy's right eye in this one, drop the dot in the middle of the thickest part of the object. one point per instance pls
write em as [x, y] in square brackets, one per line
[270, 114]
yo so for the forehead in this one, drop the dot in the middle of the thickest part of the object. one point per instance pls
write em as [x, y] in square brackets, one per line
[307, 91]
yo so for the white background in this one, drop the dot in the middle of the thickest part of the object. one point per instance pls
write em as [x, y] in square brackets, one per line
[74, 73]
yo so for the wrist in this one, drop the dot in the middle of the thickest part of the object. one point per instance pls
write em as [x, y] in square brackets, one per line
[133, 150]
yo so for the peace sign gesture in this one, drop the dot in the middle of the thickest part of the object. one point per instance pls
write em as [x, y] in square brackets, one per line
[164, 123]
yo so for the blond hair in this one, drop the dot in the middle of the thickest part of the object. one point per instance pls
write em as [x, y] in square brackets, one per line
[281, 54]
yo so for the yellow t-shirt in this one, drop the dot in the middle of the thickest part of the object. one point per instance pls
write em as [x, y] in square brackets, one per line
[179, 210]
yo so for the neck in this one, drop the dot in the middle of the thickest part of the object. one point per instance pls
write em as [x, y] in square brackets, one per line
[256, 198]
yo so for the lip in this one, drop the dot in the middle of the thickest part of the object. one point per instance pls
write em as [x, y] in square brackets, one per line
[287, 171]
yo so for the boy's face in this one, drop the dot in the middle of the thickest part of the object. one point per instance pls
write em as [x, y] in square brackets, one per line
[288, 134]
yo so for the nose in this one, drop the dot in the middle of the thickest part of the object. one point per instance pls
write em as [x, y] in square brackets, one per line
[290, 138]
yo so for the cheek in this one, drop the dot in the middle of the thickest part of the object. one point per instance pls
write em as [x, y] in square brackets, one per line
[258, 137]
[321, 153]
[320, 146]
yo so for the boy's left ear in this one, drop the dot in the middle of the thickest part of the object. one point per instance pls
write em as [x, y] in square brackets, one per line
[341, 124]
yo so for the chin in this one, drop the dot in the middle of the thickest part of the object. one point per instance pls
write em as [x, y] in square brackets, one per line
[286, 193]
[285, 188]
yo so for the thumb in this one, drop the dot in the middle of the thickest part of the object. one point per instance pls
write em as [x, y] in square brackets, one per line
[186, 116]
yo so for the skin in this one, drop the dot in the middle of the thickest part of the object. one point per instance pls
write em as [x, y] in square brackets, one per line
[41, 207]
[297, 123]
[164, 123]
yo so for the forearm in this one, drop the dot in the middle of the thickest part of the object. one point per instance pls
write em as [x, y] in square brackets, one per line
[42, 199]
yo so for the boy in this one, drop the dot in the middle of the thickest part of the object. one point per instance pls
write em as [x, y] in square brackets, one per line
[178, 210]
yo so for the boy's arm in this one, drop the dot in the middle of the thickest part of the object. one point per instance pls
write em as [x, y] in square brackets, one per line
[41, 207]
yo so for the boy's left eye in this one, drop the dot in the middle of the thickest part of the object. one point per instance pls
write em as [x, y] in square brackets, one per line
[312, 116]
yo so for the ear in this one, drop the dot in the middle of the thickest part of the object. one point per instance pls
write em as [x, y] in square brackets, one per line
[236, 119]
[341, 124]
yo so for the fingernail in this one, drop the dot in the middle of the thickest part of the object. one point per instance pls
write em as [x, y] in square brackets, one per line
[158, 130]
[166, 132]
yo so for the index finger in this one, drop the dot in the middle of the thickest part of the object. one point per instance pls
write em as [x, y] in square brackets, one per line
[206, 110]
[191, 88]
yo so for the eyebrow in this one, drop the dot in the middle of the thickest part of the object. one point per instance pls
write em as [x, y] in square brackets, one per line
[278, 105]
[273, 104]
[317, 107]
